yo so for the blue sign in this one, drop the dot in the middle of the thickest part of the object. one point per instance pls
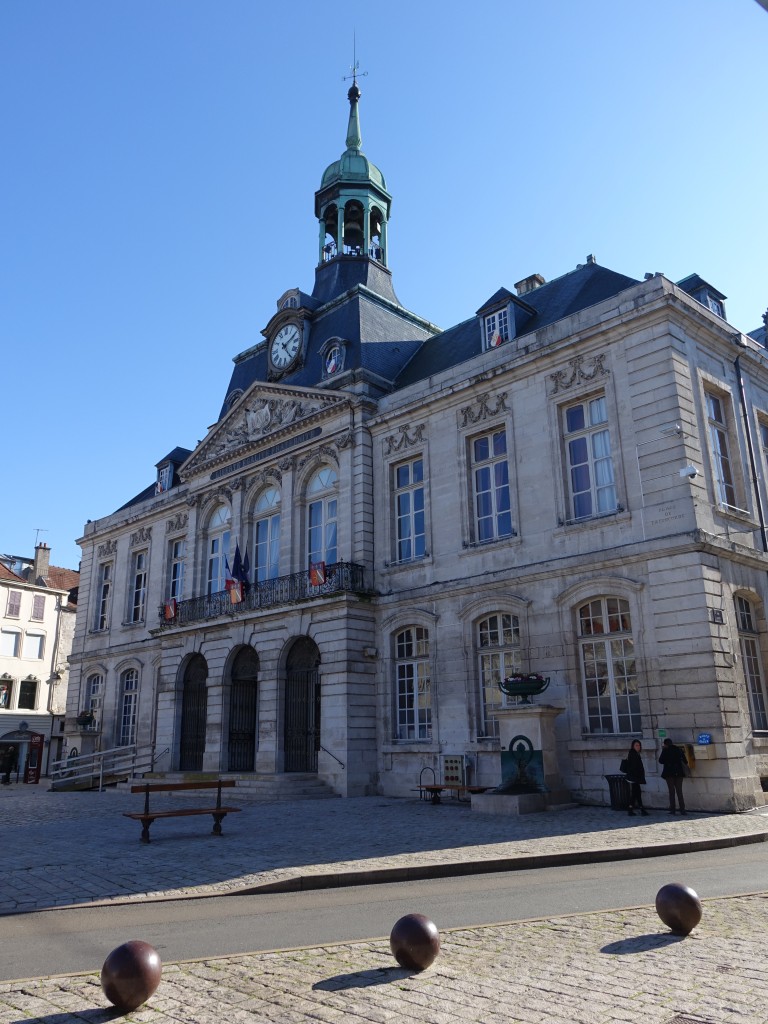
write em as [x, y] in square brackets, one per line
[704, 738]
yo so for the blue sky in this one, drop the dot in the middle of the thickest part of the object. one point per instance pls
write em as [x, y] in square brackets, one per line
[161, 157]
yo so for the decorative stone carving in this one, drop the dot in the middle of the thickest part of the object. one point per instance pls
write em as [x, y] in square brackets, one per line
[484, 407]
[345, 440]
[287, 464]
[109, 547]
[404, 438]
[178, 522]
[578, 373]
[142, 536]
[317, 456]
[263, 416]
[221, 494]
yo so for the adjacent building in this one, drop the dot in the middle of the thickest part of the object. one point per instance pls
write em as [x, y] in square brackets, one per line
[38, 602]
[388, 518]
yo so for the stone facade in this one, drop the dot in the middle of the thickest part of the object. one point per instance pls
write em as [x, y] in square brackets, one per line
[579, 493]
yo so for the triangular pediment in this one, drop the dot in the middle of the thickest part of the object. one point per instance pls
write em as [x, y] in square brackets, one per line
[265, 414]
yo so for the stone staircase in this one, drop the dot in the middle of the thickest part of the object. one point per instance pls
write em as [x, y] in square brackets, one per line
[252, 786]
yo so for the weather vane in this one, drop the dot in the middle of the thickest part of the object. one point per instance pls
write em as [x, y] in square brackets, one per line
[354, 67]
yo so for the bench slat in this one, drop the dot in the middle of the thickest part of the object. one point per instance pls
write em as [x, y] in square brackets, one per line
[182, 813]
[170, 787]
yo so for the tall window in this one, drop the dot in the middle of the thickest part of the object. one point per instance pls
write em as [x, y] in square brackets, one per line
[590, 465]
[267, 536]
[414, 690]
[490, 478]
[38, 607]
[177, 553]
[103, 589]
[409, 510]
[321, 517]
[129, 697]
[717, 423]
[749, 643]
[94, 689]
[6, 690]
[28, 694]
[10, 643]
[34, 646]
[498, 646]
[138, 586]
[496, 328]
[14, 604]
[218, 550]
[608, 669]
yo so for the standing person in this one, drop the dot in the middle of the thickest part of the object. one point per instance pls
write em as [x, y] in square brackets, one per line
[635, 778]
[673, 762]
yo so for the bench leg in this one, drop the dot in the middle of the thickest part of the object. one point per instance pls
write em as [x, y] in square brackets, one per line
[436, 798]
[217, 819]
[145, 829]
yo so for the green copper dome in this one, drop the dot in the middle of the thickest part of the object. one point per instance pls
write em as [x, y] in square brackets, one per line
[353, 166]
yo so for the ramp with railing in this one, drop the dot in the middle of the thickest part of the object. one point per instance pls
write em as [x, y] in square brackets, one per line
[103, 768]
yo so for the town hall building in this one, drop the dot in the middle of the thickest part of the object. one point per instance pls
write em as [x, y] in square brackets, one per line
[388, 519]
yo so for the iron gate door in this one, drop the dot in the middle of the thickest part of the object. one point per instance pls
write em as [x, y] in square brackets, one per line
[302, 720]
[194, 713]
[242, 725]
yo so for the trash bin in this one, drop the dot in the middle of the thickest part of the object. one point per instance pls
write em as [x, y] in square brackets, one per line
[618, 787]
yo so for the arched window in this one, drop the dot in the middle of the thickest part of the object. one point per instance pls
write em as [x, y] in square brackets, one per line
[413, 687]
[218, 550]
[321, 517]
[499, 656]
[754, 677]
[129, 699]
[267, 536]
[608, 669]
[94, 689]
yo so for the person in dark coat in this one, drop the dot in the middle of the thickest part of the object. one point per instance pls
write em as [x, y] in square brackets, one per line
[635, 777]
[673, 762]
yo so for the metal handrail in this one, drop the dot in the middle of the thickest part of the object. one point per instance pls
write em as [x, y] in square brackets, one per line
[331, 755]
[125, 761]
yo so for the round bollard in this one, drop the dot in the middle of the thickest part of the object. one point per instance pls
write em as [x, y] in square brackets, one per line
[415, 942]
[130, 974]
[679, 907]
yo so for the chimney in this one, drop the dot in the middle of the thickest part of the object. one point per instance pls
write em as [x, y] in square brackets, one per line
[42, 560]
[529, 283]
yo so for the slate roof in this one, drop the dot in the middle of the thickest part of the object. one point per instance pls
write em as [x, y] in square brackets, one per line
[760, 335]
[580, 288]
[177, 456]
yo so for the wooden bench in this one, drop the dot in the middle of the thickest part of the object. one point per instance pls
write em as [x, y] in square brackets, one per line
[146, 817]
[433, 790]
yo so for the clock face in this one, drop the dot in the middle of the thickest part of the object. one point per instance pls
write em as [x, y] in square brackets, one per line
[285, 346]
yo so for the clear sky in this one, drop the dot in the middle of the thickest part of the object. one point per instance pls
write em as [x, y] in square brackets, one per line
[160, 159]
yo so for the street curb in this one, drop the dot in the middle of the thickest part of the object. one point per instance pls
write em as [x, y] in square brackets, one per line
[423, 872]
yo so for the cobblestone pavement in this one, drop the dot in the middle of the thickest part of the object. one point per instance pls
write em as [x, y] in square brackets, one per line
[619, 967]
[69, 848]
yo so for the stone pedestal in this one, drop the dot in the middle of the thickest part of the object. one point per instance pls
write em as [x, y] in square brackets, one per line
[534, 723]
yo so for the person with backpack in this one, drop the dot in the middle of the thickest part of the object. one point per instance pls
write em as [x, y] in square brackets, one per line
[674, 767]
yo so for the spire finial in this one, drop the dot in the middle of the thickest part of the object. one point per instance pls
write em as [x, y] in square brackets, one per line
[354, 139]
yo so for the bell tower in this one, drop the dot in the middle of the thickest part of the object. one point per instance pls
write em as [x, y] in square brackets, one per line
[352, 204]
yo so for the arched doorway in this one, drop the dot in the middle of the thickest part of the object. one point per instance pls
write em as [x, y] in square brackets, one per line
[242, 711]
[194, 713]
[301, 724]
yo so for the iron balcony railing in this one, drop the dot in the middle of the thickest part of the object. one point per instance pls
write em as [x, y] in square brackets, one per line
[340, 577]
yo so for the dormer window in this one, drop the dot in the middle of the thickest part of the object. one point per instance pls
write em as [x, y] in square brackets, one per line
[164, 478]
[705, 293]
[496, 328]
